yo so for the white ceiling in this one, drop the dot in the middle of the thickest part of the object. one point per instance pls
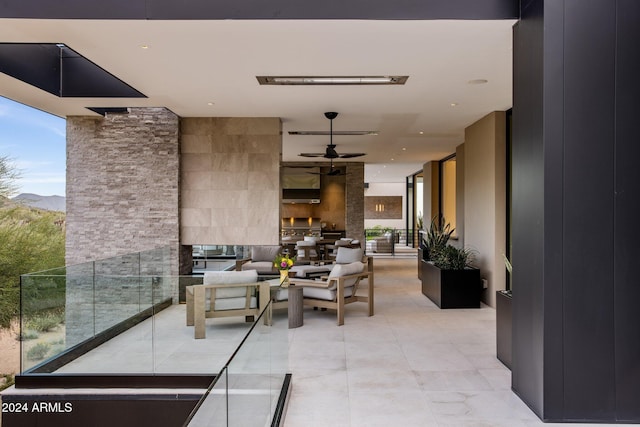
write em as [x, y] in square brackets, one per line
[189, 64]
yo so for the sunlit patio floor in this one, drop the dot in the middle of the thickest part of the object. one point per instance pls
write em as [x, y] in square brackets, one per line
[411, 364]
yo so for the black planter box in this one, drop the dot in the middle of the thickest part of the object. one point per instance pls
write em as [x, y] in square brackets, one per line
[503, 327]
[451, 288]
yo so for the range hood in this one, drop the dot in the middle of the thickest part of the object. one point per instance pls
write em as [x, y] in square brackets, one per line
[301, 185]
[300, 195]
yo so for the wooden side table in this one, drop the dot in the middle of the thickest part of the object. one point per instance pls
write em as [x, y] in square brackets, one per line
[295, 307]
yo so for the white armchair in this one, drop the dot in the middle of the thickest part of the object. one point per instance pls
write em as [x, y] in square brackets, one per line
[224, 294]
[339, 288]
[261, 260]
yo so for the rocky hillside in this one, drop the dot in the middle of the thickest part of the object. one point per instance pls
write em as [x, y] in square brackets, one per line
[50, 203]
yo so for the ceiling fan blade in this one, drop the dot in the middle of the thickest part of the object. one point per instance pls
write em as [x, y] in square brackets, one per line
[351, 155]
[311, 154]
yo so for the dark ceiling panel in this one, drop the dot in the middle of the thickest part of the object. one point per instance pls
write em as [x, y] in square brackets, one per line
[61, 71]
[35, 64]
[260, 9]
[82, 78]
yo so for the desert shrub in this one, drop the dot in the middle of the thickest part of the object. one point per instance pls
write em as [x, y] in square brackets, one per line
[38, 351]
[30, 240]
[7, 381]
[29, 335]
[45, 321]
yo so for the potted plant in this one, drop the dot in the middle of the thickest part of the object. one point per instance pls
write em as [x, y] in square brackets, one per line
[436, 237]
[448, 279]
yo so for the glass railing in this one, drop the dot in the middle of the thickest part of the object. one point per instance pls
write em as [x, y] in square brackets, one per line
[121, 316]
[247, 390]
[67, 308]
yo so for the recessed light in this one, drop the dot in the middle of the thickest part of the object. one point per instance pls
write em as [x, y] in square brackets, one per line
[404, 148]
[144, 46]
[332, 80]
[421, 133]
[478, 81]
[209, 103]
[454, 104]
[392, 159]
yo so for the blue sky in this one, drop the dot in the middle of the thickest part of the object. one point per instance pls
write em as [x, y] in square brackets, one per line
[36, 142]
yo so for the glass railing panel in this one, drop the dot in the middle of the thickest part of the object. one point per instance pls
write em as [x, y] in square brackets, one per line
[79, 308]
[254, 377]
[212, 410]
[43, 318]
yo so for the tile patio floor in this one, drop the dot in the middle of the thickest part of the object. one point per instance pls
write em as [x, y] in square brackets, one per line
[411, 364]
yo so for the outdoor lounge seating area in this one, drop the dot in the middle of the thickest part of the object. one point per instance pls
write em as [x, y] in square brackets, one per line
[425, 357]
[327, 285]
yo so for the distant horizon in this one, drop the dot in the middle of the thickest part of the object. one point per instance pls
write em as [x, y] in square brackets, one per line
[36, 194]
[35, 141]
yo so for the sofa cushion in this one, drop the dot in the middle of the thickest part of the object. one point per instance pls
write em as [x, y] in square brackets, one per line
[348, 255]
[340, 270]
[222, 304]
[230, 277]
[223, 277]
[324, 294]
[264, 253]
[261, 267]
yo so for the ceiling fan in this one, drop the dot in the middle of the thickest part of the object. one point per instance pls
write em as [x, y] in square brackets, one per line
[332, 171]
[330, 152]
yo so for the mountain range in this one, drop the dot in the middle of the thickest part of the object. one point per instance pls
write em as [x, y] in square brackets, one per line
[50, 203]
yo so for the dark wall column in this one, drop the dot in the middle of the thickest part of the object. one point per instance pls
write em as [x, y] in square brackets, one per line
[576, 327]
[627, 200]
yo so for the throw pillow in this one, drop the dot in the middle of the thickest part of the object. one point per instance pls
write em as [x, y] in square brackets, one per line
[348, 255]
[264, 253]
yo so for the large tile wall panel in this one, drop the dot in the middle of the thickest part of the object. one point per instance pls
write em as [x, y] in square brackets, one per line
[230, 181]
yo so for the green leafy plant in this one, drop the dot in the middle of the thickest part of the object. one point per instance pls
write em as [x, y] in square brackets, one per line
[6, 381]
[28, 335]
[32, 240]
[47, 321]
[38, 351]
[452, 258]
[436, 237]
[419, 221]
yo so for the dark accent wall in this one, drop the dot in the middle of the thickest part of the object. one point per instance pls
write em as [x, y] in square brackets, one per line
[259, 9]
[576, 324]
[625, 211]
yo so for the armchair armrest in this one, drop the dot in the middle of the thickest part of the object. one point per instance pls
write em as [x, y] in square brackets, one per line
[239, 263]
[309, 282]
[326, 281]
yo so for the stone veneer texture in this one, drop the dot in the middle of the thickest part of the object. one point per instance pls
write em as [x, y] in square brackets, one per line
[354, 196]
[122, 198]
[230, 181]
[122, 184]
